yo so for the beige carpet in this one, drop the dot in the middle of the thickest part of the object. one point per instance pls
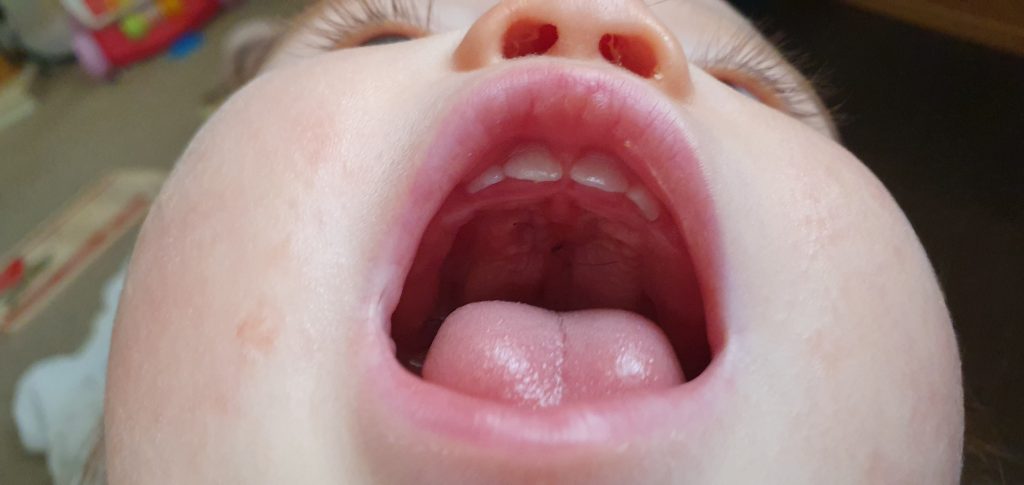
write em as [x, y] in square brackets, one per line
[49, 259]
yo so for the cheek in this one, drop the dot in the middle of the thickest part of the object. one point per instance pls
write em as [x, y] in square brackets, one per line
[248, 288]
[241, 299]
[833, 299]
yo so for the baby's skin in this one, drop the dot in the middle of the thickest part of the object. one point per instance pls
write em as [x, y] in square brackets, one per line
[583, 241]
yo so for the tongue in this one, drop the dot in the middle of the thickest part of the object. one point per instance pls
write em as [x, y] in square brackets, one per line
[538, 358]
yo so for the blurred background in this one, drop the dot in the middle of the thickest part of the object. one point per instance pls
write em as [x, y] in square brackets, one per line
[99, 97]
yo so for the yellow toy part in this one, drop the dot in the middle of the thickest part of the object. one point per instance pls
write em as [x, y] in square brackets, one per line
[170, 8]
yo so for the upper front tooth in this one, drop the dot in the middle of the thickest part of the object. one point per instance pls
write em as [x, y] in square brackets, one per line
[644, 201]
[486, 179]
[535, 164]
[600, 172]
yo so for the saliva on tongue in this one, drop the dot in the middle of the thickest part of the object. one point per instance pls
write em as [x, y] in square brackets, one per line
[537, 358]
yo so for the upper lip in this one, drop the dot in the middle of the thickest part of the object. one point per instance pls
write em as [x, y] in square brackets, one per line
[535, 99]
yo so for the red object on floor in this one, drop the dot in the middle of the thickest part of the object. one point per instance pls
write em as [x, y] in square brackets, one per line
[12, 274]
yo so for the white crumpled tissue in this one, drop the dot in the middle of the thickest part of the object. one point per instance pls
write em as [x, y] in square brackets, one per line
[58, 401]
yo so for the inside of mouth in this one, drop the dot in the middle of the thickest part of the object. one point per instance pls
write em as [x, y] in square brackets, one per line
[552, 276]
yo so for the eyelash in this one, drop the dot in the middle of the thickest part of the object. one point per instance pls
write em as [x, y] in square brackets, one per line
[735, 61]
[348, 23]
[747, 57]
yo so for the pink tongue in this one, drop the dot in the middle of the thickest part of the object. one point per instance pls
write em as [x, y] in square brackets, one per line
[538, 358]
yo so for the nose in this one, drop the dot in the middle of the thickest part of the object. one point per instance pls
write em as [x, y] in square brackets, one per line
[624, 33]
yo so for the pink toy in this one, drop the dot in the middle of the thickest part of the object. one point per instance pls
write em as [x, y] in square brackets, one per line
[102, 51]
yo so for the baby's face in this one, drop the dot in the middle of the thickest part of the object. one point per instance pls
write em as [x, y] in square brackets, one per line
[586, 241]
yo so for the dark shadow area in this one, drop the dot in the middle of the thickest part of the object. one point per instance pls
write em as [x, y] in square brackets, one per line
[941, 123]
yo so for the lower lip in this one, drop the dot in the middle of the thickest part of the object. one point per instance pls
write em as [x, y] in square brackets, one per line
[543, 102]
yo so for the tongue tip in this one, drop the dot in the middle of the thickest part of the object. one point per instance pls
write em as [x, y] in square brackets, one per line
[533, 357]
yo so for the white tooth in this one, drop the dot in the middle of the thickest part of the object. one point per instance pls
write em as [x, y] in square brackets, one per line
[486, 179]
[534, 164]
[600, 172]
[643, 200]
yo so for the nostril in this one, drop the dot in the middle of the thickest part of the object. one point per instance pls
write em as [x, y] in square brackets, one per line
[529, 38]
[630, 52]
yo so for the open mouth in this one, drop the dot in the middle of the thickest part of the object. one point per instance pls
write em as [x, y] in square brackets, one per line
[557, 243]
[551, 274]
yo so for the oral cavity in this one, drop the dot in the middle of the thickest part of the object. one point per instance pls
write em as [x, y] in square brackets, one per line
[548, 278]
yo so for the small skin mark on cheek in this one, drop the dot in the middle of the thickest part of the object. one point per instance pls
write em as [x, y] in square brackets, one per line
[255, 338]
[256, 334]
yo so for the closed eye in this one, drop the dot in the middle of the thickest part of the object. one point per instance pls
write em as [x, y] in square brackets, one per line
[753, 67]
[342, 24]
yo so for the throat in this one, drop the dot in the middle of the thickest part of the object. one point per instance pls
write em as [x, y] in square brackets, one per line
[551, 255]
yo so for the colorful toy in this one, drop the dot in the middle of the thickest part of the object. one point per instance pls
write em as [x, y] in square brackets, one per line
[113, 34]
[97, 14]
[136, 25]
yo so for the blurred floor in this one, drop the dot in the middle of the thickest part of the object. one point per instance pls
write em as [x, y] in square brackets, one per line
[941, 123]
[81, 131]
